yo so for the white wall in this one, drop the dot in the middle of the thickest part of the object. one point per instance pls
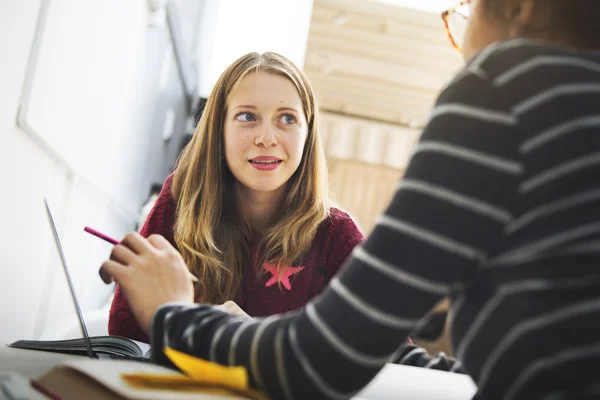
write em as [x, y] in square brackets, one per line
[232, 28]
[94, 100]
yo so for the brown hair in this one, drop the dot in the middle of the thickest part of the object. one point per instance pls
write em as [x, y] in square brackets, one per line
[572, 22]
[209, 231]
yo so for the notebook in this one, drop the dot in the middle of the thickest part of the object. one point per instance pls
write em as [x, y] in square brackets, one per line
[112, 347]
[194, 379]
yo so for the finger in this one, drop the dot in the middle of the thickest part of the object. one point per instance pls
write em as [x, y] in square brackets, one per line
[113, 271]
[231, 307]
[122, 254]
[160, 242]
[136, 242]
[105, 276]
[224, 308]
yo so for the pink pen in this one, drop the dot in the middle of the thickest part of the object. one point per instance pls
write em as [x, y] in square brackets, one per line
[100, 235]
[114, 241]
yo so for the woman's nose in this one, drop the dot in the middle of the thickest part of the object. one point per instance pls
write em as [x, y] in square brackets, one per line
[266, 136]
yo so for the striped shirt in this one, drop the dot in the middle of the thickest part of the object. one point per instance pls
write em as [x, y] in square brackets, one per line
[499, 209]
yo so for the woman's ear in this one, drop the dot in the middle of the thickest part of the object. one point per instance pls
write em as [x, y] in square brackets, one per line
[521, 15]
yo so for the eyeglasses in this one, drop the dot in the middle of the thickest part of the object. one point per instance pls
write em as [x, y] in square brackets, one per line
[456, 20]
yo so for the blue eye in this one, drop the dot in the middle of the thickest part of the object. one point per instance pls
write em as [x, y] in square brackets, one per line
[288, 119]
[245, 117]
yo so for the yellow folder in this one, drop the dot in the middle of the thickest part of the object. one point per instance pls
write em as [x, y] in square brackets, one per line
[199, 375]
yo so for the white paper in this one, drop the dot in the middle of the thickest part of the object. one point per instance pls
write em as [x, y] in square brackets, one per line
[404, 382]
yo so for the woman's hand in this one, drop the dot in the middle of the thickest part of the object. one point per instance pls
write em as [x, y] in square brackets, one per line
[150, 272]
[232, 308]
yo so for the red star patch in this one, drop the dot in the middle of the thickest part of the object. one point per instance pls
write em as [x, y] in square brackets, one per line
[284, 278]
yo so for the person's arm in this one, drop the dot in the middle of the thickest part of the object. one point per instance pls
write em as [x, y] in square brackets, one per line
[446, 217]
[343, 236]
[161, 218]
[416, 356]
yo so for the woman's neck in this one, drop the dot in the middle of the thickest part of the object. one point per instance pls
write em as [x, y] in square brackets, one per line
[259, 208]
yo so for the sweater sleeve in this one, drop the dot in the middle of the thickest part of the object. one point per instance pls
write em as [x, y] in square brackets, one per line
[416, 356]
[343, 236]
[446, 216]
[160, 220]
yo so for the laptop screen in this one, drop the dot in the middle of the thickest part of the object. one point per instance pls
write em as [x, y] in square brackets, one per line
[86, 337]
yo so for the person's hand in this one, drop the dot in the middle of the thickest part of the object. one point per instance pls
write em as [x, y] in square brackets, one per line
[232, 308]
[150, 272]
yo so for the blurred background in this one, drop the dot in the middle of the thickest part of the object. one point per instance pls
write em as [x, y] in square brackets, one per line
[98, 97]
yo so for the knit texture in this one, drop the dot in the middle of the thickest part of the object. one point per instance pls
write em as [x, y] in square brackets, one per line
[336, 236]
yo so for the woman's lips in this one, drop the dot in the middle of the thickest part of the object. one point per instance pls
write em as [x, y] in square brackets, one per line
[265, 163]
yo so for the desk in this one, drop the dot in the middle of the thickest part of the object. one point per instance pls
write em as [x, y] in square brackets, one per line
[394, 382]
[30, 363]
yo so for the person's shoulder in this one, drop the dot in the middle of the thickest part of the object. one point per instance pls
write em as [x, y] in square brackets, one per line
[338, 213]
[166, 192]
[341, 223]
[488, 79]
[161, 218]
[168, 184]
[502, 61]
[165, 202]
[339, 216]
[337, 235]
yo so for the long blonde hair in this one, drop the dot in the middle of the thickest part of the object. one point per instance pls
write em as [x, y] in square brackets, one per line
[209, 231]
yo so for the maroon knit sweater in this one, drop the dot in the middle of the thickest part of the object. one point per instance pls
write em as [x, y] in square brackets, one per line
[259, 294]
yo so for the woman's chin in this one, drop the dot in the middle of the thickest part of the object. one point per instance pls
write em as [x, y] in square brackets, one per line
[265, 186]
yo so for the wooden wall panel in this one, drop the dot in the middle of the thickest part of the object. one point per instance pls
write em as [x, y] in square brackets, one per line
[366, 159]
[378, 61]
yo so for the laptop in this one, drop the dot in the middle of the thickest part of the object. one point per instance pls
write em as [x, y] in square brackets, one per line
[86, 338]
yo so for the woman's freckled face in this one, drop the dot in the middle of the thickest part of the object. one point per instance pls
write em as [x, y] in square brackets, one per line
[265, 131]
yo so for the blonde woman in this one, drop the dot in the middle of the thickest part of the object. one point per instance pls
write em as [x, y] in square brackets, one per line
[247, 204]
